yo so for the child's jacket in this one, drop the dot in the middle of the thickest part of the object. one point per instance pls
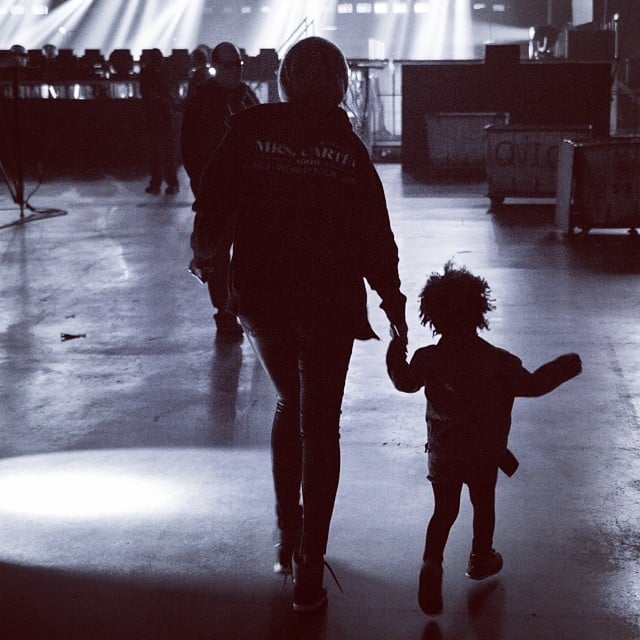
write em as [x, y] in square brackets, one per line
[470, 386]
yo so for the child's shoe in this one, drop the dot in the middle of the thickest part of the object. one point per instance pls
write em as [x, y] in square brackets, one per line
[430, 588]
[483, 565]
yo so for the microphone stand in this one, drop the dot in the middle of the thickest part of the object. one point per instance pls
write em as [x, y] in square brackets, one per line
[16, 186]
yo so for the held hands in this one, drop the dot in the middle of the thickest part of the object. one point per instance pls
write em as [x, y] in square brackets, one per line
[397, 350]
[399, 331]
[396, 359]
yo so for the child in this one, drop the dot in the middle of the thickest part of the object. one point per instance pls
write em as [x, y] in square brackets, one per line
[470, 386]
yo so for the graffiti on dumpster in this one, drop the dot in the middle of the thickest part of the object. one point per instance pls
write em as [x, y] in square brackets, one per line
[526, 153]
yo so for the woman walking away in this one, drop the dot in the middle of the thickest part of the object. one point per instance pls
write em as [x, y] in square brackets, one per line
[309, 221]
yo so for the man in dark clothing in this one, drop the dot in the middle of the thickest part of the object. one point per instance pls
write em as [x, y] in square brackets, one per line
[159, 98]
[203, 127]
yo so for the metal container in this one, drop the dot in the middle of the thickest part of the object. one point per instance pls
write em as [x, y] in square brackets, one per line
[456, 141]
[598, 185]
[522, 161]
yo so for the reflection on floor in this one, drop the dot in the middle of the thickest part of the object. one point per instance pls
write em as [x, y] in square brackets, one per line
[135, 490]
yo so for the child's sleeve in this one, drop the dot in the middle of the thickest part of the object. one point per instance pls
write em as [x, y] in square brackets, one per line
[401, 373]
[548, 376]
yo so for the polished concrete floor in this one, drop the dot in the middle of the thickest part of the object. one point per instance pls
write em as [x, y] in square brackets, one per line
[135, 489]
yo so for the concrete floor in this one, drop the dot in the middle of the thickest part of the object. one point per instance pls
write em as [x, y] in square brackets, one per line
[135, 488]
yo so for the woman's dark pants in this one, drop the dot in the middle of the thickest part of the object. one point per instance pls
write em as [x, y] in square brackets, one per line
[308, 367]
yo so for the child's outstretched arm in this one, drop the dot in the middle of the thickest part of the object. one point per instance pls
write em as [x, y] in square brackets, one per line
[548, 376]
[397, 367]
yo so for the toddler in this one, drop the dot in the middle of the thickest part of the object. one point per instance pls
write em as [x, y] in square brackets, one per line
[470, 386]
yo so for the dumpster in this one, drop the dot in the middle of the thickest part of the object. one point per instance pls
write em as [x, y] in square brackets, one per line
[456, 141]
[598, 185]
[522, 161]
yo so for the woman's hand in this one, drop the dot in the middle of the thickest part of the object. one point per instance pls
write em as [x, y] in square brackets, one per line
[400, 332]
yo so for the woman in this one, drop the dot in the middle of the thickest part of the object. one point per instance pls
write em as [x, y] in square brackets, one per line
[310, 223]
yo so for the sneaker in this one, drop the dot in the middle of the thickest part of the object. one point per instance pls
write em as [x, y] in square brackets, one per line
[172, 189]
[152, 189]
[430, 588]
[483, 565]
[309, 592]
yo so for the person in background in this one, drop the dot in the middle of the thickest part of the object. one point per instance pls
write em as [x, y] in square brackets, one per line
[200, 70]
[206, 112]
[19, 55]
[160, 103]
[470, 386]
[310, 224]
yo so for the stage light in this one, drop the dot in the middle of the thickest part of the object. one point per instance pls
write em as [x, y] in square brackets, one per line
[380, 7]
[116, 24]
[462, 31]
[122, 24]
[400, 7]
[442, 30]
[17, 10]
[36, 30]
[345, 7]
[290, 21]
[245, 10]
[499, 8]
[363, 7]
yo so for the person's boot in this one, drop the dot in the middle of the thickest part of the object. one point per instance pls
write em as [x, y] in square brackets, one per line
[227, 326]
[309, 592]
[286, 544]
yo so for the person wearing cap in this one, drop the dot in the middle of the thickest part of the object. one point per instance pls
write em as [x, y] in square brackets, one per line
[310, 225]
[206, 111]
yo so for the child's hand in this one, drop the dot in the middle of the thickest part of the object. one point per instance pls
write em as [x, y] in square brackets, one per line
[571, 363]
[399, 332]
[397, 349]
[397, 367]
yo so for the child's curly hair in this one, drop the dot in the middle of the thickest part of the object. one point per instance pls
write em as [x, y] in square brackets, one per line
[455, 301]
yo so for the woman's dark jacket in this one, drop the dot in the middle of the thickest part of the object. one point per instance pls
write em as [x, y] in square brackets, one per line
[309, 218]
